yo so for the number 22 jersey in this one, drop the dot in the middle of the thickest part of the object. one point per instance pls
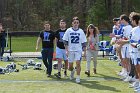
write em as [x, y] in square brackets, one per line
[75, 38]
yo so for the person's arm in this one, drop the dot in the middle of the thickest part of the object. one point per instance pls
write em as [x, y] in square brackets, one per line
[84, 48]
[38, 43]
[66, 46]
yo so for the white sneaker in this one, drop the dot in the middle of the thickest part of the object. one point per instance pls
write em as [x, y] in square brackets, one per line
[128, 78]
[138, 89]
[77, 80]
[72, 74]
[120, 73]
[133, 79]
[133, 85]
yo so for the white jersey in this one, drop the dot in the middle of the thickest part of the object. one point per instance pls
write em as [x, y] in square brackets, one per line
[75, 39]
[132, 49]
[126, 33]
[135, 37]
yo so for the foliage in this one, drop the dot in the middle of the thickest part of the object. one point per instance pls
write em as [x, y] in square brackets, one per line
[25, 15]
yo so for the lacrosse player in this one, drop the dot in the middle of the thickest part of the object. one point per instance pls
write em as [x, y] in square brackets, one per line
[75, 41]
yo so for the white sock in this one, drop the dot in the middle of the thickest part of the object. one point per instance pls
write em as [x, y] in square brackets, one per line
[78, 76]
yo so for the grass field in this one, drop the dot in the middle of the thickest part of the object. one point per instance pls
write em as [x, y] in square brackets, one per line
[36, 81]
[28, 43]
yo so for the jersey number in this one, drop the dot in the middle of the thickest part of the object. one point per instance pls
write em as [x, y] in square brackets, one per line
[75, 39]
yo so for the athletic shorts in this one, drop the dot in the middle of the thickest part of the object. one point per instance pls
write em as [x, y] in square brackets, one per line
[74, 56]
[125, 52]
[61, 53]
[135, 59]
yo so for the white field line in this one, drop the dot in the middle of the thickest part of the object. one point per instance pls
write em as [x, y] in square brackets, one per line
[59, 81]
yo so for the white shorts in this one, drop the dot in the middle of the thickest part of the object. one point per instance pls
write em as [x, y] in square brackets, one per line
[74, 56]
[61, 53]
[125, 52]
[135, 59]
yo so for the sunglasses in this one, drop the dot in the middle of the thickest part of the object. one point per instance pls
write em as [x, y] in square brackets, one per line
[76, 22]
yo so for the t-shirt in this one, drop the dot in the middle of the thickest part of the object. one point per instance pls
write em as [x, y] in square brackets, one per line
[135, 37]
[126, 33]
[59, 35]
[75, 39]
[47, 39]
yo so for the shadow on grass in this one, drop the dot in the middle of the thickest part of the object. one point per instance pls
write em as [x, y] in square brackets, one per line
[105, 77]
[96, 85]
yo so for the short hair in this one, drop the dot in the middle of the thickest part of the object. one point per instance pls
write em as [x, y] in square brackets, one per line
[46, 22]
[126, 18]
[136, 18]
[62, 20]
[76, 18]
[116, 19]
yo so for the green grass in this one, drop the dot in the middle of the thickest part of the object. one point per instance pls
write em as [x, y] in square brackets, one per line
[36, 81]
[28, 44]
[24, 44]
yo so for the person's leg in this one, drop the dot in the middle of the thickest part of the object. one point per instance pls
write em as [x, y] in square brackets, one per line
[50, 57]
[44, 59]
[59, 56]
[124, 62]
[95, 54]
[2, 51]
[78, 56]
[78, 67]
[66, 67]
[132, 70]
[88, 58]
[65, 62]
[137, 88]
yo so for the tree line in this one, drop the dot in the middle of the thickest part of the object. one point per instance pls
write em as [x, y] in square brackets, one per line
[29, 15]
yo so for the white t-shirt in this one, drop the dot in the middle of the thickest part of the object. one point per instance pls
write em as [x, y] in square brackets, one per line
[136, 37]
[126, 33]
[75, 39]
[131, 49]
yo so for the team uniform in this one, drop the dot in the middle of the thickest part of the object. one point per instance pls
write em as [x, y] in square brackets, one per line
[60, 48]
[75, 39]
[135, 38]
[47, 49]
[126, 35]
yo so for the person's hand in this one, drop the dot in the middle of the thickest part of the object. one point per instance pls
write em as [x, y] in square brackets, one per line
[92, 47]
[133, 45]
[67, 52]
[36, 48]
[112, 35]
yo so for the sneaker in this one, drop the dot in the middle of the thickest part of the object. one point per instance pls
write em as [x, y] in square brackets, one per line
[58, 75]
[94, 71]
[137, 89]
[119, 73]
[124, 74]
[133, 79]
[127, 79]
[49, 75]
[135, 84]
[72, 74]
[87, 73]
[77, 80]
